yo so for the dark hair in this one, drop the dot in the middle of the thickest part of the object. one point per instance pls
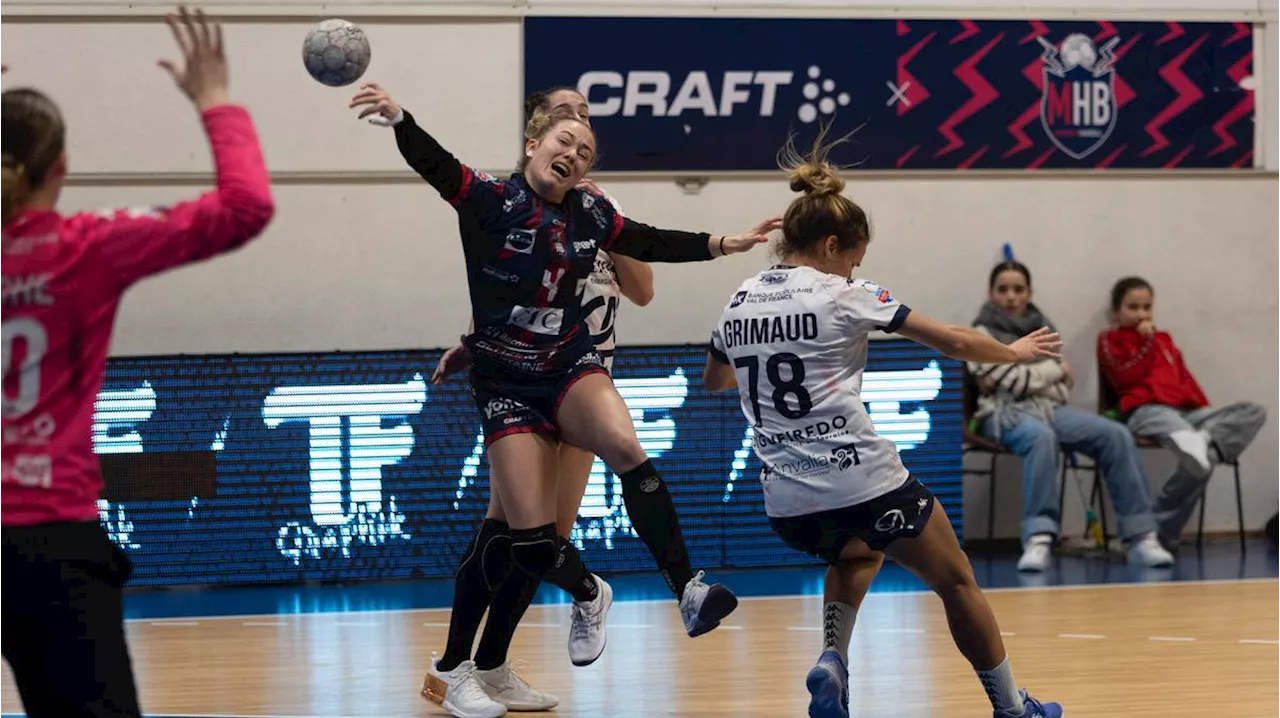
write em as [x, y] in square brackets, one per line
[33, 139]
[1008, 266]
[821, 211]
[1126, 285]
[540, 101]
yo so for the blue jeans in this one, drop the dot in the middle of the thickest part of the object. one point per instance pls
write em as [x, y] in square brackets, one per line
[1107, 442]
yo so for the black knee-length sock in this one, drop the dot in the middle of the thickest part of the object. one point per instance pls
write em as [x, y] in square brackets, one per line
[485, 567]
[653, 514]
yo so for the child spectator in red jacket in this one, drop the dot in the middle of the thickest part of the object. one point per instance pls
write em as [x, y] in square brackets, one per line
[1160, 399]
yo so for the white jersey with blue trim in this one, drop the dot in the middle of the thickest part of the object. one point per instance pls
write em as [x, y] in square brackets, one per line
[601, 297]
[797, 340]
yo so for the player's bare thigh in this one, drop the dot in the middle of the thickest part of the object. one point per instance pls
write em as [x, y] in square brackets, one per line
[522, 479]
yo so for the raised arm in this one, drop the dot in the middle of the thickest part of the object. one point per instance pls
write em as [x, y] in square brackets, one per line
[424, 154]
[136, 243]
[650, 244]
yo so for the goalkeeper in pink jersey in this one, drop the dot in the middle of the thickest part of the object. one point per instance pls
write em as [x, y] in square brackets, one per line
[63, 279]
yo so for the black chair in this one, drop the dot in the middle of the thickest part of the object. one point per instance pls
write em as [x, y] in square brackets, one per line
[1108, 401]
[975, 443]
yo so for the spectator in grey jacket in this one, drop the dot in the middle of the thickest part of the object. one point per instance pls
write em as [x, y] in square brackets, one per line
[1024, 408]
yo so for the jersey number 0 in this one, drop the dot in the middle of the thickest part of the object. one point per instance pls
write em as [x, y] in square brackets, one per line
[32, 334]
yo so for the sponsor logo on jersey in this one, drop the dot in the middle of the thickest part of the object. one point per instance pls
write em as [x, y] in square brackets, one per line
[805, 466]
[538, 320]
[818, 431]
[520, 240]
[846, 456]
[500, 275]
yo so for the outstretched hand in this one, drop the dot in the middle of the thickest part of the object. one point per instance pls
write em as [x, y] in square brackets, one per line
[203, 75]
[735, 243]
[1043, 343]
[376, 101]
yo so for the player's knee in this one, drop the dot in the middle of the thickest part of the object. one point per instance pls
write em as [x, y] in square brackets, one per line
[954, 580]
[619, 447]
[535, 550]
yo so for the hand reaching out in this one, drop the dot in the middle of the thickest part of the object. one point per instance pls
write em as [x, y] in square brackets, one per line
[376, 101]
[203, 76]
[1043, 343]
[745, 242]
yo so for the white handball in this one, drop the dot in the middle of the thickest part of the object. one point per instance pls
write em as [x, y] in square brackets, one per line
[336, 52]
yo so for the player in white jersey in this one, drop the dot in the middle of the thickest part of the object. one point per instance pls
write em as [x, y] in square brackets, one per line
[793, 339]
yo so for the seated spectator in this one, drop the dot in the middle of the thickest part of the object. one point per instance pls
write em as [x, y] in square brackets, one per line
[1023, 407]
[1160, 399]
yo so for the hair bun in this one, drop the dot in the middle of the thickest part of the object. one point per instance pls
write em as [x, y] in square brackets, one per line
[816, 179]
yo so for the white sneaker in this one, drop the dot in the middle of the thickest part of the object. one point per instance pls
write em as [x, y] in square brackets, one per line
[507, 687]
[1192, 449]
[703, 607]
[460, 691]
[586, 632]
[1037, 555]
[1147, 551]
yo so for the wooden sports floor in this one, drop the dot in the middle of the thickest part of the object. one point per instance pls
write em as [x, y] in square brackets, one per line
[1164, 649]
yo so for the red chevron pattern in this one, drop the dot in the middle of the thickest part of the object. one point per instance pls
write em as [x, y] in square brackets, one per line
[1106, 30]
[916, 92]
[1175, 32]
[970, 29]
[1035, 75]
[1037, 29]
[1242, 31]
[983, 94]
[1124, 93]
[1188, 95]
[1236, 72]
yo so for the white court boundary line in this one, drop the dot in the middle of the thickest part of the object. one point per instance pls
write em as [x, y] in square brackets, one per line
[784, 597]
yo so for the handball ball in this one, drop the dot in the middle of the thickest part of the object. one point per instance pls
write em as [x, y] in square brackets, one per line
[336, 52]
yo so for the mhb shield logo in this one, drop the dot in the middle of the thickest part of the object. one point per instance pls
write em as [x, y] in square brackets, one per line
[1078, 106]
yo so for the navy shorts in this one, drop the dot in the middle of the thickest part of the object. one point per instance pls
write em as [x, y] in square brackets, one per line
[512, 403]
[901, 513]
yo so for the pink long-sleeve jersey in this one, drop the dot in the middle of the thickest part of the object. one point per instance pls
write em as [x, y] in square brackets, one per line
[63, 280]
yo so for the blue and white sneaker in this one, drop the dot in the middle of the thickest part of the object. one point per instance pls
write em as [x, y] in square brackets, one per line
[828, 684]
[702, 606]
[1032, 708]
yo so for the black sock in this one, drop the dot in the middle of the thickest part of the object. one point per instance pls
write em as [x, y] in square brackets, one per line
[653, 515]
[485, 567]
[570, 574]
[533, 552]
[509, 604]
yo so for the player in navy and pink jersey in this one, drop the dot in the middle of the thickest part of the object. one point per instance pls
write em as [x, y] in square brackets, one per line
[613, 277]
[63, 280]
[530, 244]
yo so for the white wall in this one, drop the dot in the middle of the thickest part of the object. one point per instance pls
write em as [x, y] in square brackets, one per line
[364, 256]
